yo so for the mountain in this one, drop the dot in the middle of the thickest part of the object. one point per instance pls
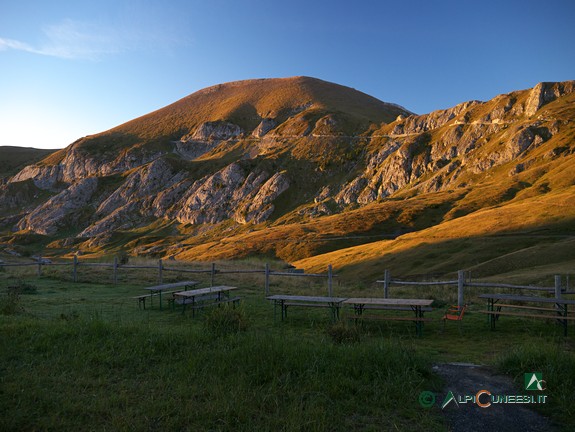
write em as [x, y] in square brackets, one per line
[15, 158]
[313, 173]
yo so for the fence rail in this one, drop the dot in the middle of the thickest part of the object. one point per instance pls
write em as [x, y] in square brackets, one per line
[213, 271]
[461, 283]
[461, 280]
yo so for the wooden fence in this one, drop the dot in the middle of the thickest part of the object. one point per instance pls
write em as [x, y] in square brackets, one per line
[161, 268]
[461, 282]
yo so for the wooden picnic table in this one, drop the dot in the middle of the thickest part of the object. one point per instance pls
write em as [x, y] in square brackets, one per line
[527, 308]
[202, 297]
[158, 289]
[418, 306]
[284, 301]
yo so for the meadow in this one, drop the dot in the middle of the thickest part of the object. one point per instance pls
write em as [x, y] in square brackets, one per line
[83, 356]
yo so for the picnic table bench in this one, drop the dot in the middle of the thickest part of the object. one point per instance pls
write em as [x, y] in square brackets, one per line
[205, 297]
[418, 306]
[285, 301]
[526, 307]
[157, 290]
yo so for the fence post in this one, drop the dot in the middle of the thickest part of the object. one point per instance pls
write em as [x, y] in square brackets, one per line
[329, 281]
[160, 272]
[75, 269]
[115, 270]
[557, 286]
[460, 285]
[40, 266]
[213, 273]
[386, 279]
[267, 283]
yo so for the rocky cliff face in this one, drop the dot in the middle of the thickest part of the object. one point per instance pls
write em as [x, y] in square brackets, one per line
[62, 210]
[304, 152]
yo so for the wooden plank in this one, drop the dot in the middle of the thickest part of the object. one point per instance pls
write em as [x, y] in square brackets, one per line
[528, 299]
[525, 307]
[389, 301]
[323, 305]
[202, 291]
[146, 296]
[171, 285]
[389, 318]
[558, 317]
[306, 298]
[395, 308]
[230, 300]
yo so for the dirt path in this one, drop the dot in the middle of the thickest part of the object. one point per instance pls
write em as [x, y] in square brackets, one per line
[467, 379]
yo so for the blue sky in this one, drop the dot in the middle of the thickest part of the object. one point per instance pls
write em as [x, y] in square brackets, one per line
[74, 68]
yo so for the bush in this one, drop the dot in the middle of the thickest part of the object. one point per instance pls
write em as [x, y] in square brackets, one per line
[341, 333]
[10, 303]
[226, 320]
[22, 287]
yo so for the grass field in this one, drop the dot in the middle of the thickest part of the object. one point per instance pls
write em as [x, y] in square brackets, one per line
[83, 357]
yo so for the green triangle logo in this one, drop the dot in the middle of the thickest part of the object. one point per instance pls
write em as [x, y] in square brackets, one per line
[448, 399]
[533, 381]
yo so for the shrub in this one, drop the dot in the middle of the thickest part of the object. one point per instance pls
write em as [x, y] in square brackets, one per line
[341, 333]
[223, 321]
[22, 287]
[10, 303]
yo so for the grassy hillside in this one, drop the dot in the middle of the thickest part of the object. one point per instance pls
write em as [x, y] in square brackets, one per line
[13, 159]
[245, 103]
[532, 232]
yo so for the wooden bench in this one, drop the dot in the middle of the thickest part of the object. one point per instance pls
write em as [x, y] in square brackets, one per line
[389, 318]
[322, 305]
[142, 299]
[285, 301]
[562, 319]
[398, 308]
[518, 314]
[158, 290]
[173, 301]
[500, 305]
[233, 300]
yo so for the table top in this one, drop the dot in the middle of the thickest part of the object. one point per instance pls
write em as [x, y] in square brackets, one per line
[165, 287]
[530, 299]
[203, 291]
[307, 298]
[389, 301]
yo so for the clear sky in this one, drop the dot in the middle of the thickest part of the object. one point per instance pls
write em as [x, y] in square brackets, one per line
[74, 68]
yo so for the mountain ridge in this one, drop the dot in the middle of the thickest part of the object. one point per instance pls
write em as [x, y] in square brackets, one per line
[250, 175]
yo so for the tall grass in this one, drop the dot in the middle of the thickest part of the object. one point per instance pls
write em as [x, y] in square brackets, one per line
[558, 368]
[90, 374]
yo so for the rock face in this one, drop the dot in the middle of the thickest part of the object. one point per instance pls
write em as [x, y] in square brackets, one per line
[231, 193]
[264, 127]
[546, 92]
[215, 131]
[61, 210]
[308, 158]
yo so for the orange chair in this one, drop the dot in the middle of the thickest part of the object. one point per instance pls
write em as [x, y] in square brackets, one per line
[454, 313]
